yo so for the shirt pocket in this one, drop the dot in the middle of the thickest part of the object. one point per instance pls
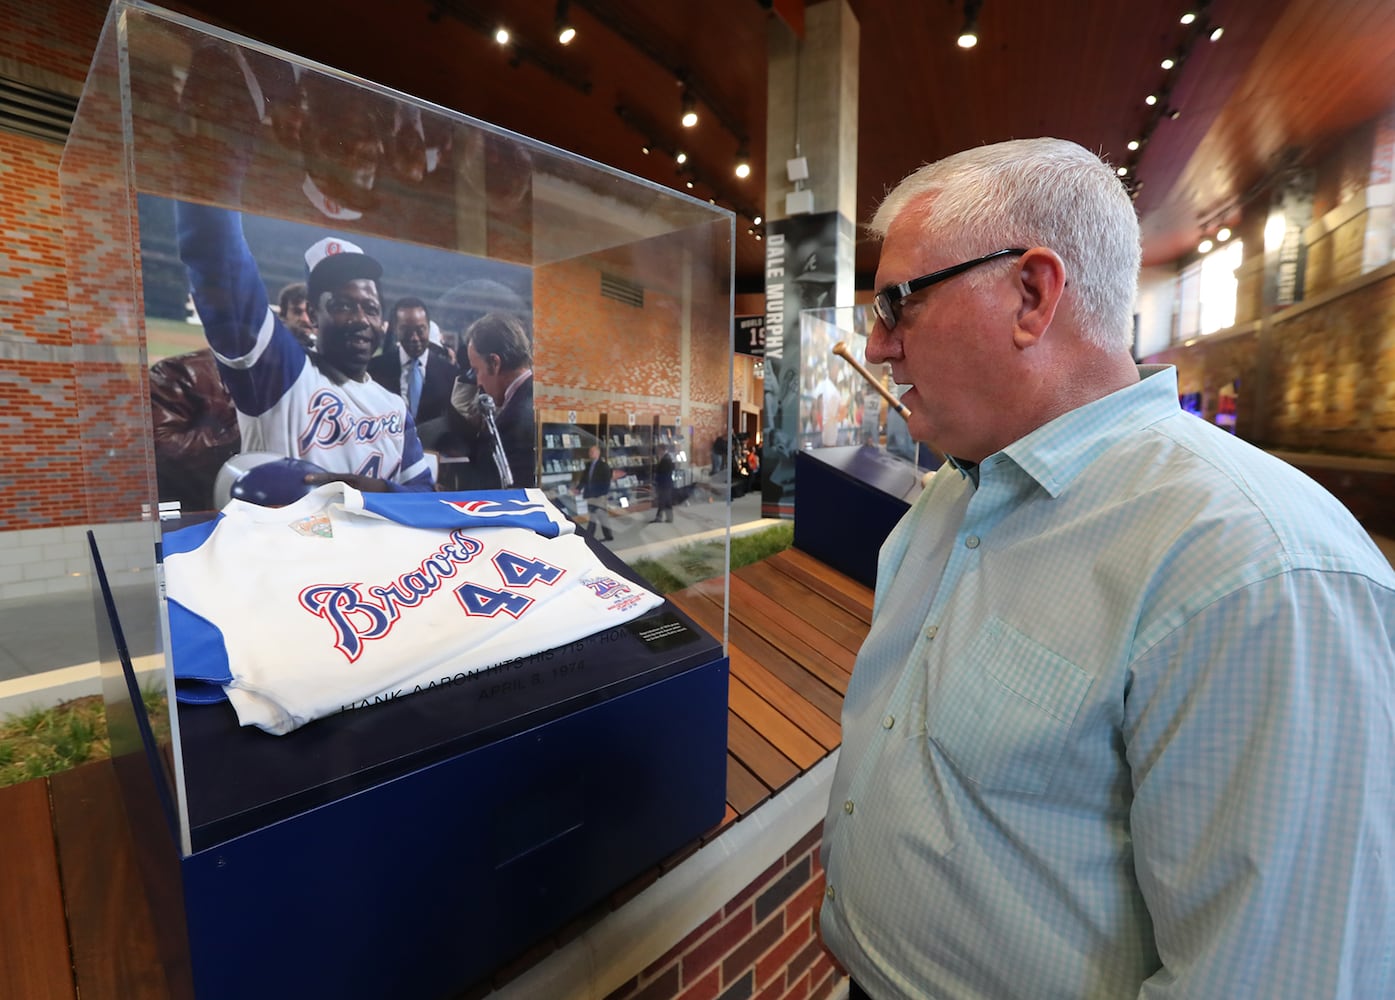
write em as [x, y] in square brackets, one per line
[1003, 712]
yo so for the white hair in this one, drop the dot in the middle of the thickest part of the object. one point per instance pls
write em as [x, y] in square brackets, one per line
[1027, 193]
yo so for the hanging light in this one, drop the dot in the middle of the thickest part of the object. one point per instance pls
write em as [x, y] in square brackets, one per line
[968, 37]
[566, 31]
[743, 162]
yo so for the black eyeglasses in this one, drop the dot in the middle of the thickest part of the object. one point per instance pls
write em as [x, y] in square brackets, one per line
[887, 303]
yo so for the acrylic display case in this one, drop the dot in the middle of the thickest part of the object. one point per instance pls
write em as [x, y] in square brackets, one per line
[856, 452]
[412, 847]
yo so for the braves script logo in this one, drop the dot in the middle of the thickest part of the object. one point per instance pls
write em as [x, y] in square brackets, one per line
[332, 424]
[493, 508]
[357, 618]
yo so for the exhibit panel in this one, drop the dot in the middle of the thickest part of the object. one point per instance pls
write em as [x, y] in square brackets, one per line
[855, 450]
[461, 681]
[845, 401]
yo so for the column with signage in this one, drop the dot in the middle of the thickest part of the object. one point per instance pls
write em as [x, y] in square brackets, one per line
[811, 191]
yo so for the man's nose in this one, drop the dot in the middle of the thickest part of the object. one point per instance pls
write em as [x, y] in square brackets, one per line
[882, 344]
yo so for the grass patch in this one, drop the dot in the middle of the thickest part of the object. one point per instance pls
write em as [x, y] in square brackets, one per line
[45, 741]
[692, 564]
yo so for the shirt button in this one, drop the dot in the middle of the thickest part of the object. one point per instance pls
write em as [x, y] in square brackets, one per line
[971, 542]
[848, 807]
[888, 722]
[829, 892]
[932, 631]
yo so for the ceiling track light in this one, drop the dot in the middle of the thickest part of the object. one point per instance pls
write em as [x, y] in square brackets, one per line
[968, 36]
[686, 172]
[566, 31]
[518, 48]
[743, 162]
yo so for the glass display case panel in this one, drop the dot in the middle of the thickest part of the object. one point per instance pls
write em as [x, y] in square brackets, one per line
[844, 400]
[622, 289]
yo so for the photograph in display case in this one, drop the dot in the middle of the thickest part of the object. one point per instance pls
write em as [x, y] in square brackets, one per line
[257, 347]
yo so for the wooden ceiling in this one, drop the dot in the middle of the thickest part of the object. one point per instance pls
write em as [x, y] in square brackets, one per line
[1284, 80]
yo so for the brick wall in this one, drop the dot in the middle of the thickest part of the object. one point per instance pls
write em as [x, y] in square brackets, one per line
[762, 945]
[47, 45]
[1332, 373]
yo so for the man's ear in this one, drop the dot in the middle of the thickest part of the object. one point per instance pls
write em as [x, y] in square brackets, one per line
[495, 363]
[1041, 281]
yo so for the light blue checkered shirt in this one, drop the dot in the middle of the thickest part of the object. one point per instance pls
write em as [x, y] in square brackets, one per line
[1124, 726]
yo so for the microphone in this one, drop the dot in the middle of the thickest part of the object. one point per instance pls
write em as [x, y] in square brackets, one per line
[501, 460]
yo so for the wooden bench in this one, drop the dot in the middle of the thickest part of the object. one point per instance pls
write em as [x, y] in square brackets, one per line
[74, 921]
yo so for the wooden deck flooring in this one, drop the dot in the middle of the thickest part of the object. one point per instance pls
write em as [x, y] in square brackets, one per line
[74, 921]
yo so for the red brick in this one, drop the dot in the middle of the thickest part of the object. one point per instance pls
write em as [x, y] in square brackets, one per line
[704, 989]
[806, 957]
[744, 955]
[806, 900]
[732, 932]
[777, 958]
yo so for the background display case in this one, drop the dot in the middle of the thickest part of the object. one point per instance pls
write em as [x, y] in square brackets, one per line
[856, 453]
[443, 832]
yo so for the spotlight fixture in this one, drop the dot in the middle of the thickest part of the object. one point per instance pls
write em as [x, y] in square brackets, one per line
[680, 157]
[1205, 246]
[743, 162]
[1150, 100]
[1134, 144]
[690, 117]
[1223, 234]
[566, 31]
[501, 35]
[968, 37]
[1189, 17]
[1168, 63]
[1216, 33]
[757, 220]
[644, 149]
[1122, 171]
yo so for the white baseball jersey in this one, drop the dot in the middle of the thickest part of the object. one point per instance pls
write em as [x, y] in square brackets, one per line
[344, 599]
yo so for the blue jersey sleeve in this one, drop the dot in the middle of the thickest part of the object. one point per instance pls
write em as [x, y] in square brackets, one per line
[258, 356]
[414, 474]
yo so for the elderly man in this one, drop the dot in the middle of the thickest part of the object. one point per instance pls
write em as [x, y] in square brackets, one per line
[1123, 724]
[493, 415]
